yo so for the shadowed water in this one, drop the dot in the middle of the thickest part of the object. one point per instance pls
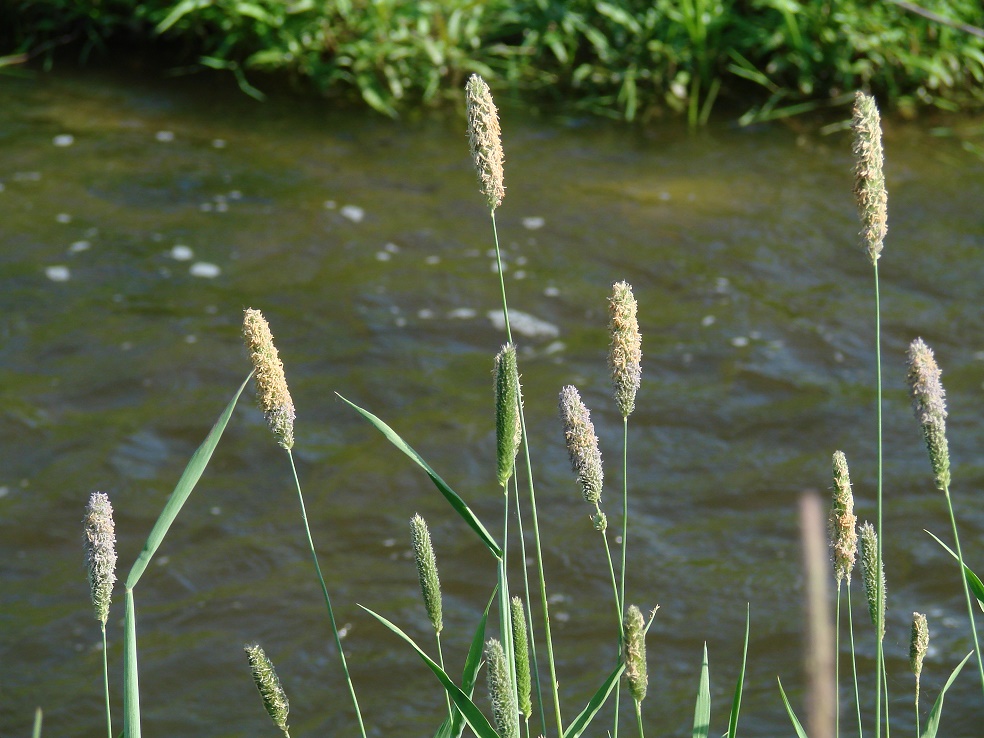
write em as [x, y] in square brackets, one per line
[139, 218]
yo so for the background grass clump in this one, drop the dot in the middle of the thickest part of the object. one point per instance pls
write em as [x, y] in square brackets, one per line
[619, 58]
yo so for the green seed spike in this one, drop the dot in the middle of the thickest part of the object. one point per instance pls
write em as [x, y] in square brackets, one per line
[508, 428]
[582, 444]
[430, 585]
[870, 575]
[524, 683]
[929, 404]
[625, 354]
[918, 646]
[100, 552]
[843, 523]
[271, 385]
[869, 180]
[501, 693]
[268, 684]
[636, 671]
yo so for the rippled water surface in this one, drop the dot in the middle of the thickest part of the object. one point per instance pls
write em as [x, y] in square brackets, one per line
[139, 217]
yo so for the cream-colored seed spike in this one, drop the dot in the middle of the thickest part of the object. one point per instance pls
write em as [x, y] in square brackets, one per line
[918, 646]
[485, 140]
[929, 405]
[271, 384]
[871, 576]
[843, 523]
[100, 552]
[625, 355]
[582, 444]
[869, 178]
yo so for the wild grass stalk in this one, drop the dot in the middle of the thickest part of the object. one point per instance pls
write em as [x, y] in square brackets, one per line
[274, 398]
[918, 646]
[636, 668]
[430, 584]
[268, 685]
[100, 556]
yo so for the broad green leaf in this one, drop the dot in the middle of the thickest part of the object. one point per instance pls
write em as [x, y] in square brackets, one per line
[189, 478]
[973, 581]
[736, 703]
[797, 726]
[702, 710]
[933, 724]
[473, 716]
[582, 721]
[449, 494]
[36, 733]
[131, 686]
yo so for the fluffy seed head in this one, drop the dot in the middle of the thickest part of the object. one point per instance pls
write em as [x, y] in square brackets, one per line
[869, 180]
[929, 405]
[582, 444]
[918, 646]
[430, 585]
[843, 523]
[625, 354]
[485, 140]
[100, 552]
[271, 385]
[268, 684]
[503, 697]
[872, 577]
[508, 428]
[636, 671]
[524, 684]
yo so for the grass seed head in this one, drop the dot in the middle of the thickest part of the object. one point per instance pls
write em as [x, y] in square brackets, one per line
[508, 428]
[843, 523]
[271, 384]
[872, 577]
[524, 683]
[268, 684]
[582, 444]
[636, 671]
[430, 584]
[501, 694]
[100, 552]
[929, 405]
[918, 646]
[485, 140]
[625, 355]
[869, 179]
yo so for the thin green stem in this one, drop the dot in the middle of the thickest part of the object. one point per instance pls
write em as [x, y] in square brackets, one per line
[837, 664]
[638, 712]
[324, 591]
[918, 731]
[963, 578]
[879, 588]
[536, 525]
[888, 722]
[620, 595]
[529, 608]
[854, 661]
[505, 612]
[611, 570]
[440, 660]
[109, 714]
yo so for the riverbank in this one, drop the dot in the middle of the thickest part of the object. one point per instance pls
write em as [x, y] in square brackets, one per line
[629, 60]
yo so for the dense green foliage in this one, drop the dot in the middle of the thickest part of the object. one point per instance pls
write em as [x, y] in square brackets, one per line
[629, 58]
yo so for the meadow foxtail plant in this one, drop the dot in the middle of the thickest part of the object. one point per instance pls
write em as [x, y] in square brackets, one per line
[100, 559]
[268, 685]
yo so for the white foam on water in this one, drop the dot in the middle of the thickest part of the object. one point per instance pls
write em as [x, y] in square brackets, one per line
[58, 273]
[204, 270]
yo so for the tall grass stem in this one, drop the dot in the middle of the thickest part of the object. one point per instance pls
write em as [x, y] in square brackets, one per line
[963, 579]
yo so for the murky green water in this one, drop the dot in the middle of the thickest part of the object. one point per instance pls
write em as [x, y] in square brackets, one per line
[130, 249]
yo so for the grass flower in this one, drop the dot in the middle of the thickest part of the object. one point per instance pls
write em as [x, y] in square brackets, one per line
[501, 693]
[929, 404]
[271, 385]
[582, 444]
[625, 354]
[508, 428]
[869, 179]
[100, 552]
[485, 140]
[843, 523]
[871, 577]
[268, 684]
[524, 681]
[636, 671]
[430, 585]
[918, 646]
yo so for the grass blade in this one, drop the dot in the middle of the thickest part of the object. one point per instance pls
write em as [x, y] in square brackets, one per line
[736, 703]
[582, 721]
[449, 494]
[131, 687]
[36, 733]
[973, 581]
[472, 715]
[453, 728]
[797, 726]
[702, 710]
[189, 478]
[933, 724]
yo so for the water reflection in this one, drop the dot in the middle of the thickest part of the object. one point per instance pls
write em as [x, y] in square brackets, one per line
[366, 245]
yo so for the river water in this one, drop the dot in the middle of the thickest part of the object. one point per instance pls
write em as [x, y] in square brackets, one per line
[139, 217]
